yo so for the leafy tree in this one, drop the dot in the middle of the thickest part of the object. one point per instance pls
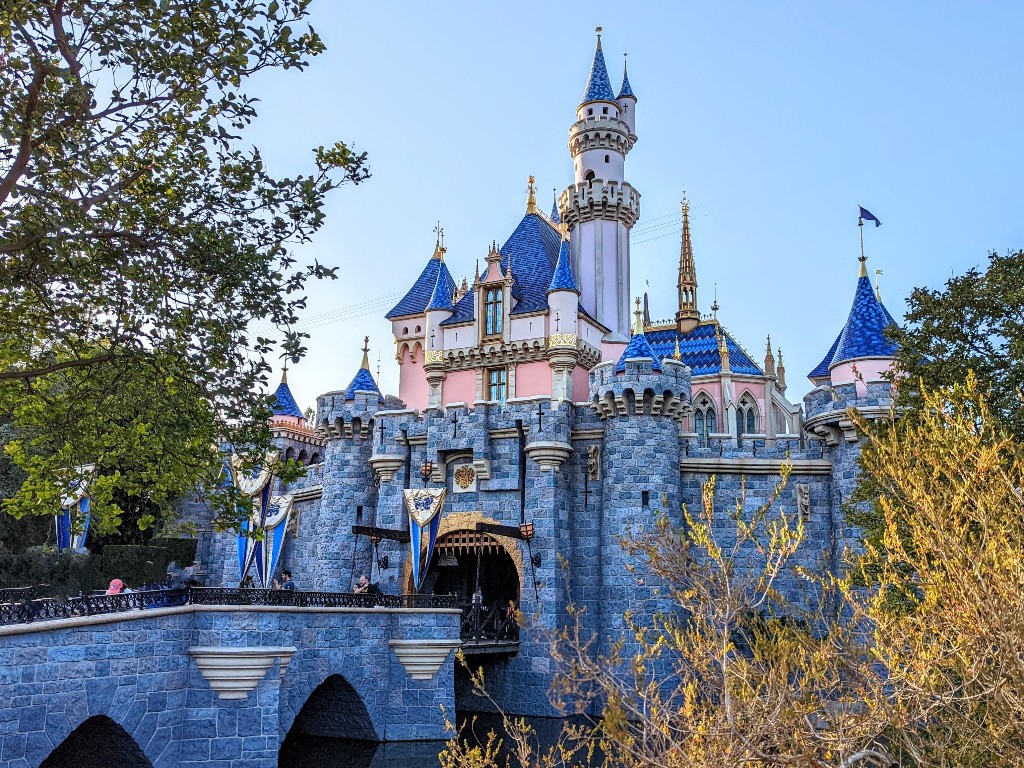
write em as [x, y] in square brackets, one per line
[140, 239]
[976, 323]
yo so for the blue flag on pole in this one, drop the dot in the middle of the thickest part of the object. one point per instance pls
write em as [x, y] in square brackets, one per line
[866, 214]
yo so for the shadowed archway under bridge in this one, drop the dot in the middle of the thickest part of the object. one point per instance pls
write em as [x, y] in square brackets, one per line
[478, 569]
[98, 742]
[336, 711]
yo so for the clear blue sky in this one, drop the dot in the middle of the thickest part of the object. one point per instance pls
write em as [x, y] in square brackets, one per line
[777, 118]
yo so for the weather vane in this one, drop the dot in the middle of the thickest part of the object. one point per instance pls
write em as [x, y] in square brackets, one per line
[439, 233]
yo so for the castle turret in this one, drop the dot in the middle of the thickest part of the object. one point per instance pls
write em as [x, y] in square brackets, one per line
[627, 101]
[439, 308]
[563, 317]
[687, 317]
[345, 418]
[642, 401]
[600, 208]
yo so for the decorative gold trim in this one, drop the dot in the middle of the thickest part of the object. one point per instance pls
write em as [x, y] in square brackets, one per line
[562, 340]
[433, 356]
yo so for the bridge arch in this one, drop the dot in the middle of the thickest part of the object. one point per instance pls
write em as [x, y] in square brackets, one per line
[336, 710]
[97, 742]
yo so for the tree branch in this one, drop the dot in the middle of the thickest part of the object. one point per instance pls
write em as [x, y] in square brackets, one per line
[33, 373]
[25, 143]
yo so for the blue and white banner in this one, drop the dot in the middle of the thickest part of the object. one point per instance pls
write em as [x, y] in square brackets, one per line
[262, 536]
[72, 522]
[424, 507]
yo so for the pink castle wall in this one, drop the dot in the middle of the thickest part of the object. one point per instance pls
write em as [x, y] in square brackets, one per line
[412, 380]
[533, 379]
[459, 387]
[580, 385]
[860, 372]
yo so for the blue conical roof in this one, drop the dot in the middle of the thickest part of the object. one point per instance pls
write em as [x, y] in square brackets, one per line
[638, 346]
[864, 332]
[444, 288]
[418, 297]
[284, 402]
[362, 382]
[625, 90]
[563, 279]
[599, 88]
[555, 216]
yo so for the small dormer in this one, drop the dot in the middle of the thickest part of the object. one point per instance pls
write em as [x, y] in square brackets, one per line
[494, 298]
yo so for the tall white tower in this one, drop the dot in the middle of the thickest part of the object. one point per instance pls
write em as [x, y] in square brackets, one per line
[601, 207]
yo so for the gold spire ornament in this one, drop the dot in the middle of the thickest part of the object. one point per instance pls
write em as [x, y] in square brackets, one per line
[284, 373]
[366, 353]
[638, 323]
[439, 249]
[687, 317]
[531, 198]
[878, 295]
[676, 355]
[781, 384]
[769, 359]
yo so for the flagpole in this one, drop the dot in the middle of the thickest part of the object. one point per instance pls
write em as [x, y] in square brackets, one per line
[863, 258]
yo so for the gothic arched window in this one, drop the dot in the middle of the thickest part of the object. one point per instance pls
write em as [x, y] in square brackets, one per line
[493, 311]
[751, 422]
[739, 422]
[698, 426]
[712, 421]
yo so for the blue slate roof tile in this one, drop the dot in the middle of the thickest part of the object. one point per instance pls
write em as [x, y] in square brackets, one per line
[864, 332]
[638, 346]
[563, 279]
[821, 369]
[362, 382]
[625, 90]
[533, 250]
[415, 301]
[464, 311]
[284, 402]
[699, 350]
[444, 289]
[599, 88]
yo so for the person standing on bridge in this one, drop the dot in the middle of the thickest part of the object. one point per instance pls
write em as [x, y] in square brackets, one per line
[286, 582]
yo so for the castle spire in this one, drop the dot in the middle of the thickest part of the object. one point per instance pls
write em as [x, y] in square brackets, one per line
[555, 216]
[366, 353]
[625, 90]
[687, 317]
[284, 373]
[769, 359]
[781, 384]
[599, 88]
[439, 249]
[638, 323]
[531, 197]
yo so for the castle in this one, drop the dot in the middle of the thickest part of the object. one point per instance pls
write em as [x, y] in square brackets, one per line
[559, 418]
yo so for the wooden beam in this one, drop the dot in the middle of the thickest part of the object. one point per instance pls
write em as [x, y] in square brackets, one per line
[512, 532]
[381, 533]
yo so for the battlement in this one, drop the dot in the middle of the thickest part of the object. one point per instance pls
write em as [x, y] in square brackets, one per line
[640, 389]
[602, 132]
[599, 199]
[826, 408]
[337, 417]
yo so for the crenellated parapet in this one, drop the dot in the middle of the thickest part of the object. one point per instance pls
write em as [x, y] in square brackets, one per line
[599, 200]
[339, 418]
[640, 390]
[827, 409]
[600, 132]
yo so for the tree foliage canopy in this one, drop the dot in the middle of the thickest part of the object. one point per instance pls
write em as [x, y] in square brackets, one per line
[140, 238]
[975, 324]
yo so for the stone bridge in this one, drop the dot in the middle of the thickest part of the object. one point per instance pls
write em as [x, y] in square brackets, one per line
[220, 686]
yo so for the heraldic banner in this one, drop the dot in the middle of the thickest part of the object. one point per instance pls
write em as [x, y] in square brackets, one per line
[424, 506]
[262, 536]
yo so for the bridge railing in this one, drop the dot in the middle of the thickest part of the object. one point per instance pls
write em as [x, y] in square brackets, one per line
[24, 610]
[484, 625]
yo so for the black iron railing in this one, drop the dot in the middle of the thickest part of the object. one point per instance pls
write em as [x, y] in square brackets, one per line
[284, 597]
[489, 624]
[23, 609]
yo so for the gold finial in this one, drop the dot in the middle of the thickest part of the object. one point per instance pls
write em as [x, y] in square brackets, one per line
[366, 353]
[714, 305]
[439, 249]
[878, 295]
[284, 373]
[781, 383]
[531, 199]
[599, 30]
[676, 355]
[863, 266]
[638, 323]
[685, 204]
[769, 358]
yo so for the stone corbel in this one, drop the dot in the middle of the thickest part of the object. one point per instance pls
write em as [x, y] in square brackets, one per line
[828, 432]
[482, 468]
[549, 454]
[385, 465]
[422, 658]
[235, 672]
